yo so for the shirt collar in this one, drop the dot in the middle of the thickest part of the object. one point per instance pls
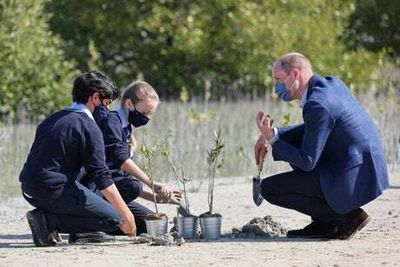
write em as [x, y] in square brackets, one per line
[122, 117]
[78, 107]
[303, 99]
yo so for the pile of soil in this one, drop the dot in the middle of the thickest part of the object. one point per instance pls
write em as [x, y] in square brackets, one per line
[168, 239]
[259, 227]
[157, 216]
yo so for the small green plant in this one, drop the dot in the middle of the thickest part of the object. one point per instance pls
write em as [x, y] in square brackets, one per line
[213, 164]
[148, 153]
[178, 172]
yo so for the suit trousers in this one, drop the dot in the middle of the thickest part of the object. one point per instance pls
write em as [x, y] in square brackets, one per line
[300, 191]
[76, 210]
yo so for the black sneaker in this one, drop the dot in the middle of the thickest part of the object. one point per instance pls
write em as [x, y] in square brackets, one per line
[94, 237]
[316, 229]
[40, 233]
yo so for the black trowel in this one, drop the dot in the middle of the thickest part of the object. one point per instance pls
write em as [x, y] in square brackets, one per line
[257, 197]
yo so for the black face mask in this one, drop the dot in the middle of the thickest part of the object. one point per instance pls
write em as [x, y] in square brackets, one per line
[100, 112]
[137, 118]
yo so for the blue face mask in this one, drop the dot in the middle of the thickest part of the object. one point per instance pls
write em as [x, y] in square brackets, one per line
[282, 92]
[137, 118]
[100, 112]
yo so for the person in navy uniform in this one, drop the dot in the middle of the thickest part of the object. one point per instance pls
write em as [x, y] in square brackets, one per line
[337, 154]
[138, 104]
[65, 142]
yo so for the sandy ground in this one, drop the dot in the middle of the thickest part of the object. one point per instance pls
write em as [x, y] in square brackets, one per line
[377, 244]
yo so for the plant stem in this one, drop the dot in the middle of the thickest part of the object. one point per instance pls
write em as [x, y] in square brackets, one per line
[180, 178]
[152, 185]
[186, 198]
[212, 160]
[211, 187]
[184, 180]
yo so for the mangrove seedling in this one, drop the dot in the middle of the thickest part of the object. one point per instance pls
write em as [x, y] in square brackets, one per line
[147, 153]
[213, 164]
[178, 173]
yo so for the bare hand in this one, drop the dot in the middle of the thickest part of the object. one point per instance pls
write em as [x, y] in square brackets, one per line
[162, 188]
[264, 124]
[55, 237]
[260, 149]
[175, 198]
[128, 225]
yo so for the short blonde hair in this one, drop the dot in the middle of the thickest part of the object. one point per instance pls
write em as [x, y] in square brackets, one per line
[138, 91]
[293, 60]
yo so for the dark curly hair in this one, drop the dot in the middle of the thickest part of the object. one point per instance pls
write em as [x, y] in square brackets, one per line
[88, 83]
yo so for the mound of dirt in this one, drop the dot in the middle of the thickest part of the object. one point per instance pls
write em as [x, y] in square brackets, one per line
[168, 239]
[260, 227]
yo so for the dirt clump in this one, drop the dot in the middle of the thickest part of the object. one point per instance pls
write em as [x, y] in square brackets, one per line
[259, 227]
[168, 239]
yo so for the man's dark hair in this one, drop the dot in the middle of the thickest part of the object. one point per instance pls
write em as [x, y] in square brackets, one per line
[88, 83]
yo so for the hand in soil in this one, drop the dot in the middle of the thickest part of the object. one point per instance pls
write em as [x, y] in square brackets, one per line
[128, 226]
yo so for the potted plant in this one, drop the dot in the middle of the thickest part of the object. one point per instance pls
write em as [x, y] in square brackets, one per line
[187, 221]
[156, 223]
[210, 222]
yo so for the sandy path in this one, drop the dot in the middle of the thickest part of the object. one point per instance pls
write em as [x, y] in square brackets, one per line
[378, 243]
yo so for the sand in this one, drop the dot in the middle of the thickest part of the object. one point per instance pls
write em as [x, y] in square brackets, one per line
[377, 244]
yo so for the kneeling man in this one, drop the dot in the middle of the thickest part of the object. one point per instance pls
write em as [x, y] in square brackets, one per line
[337, 154]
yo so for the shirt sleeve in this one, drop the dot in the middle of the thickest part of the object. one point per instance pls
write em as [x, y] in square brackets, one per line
[94, 157]
[116, 147]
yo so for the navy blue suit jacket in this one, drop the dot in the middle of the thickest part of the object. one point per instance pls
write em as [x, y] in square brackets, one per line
[340, 141]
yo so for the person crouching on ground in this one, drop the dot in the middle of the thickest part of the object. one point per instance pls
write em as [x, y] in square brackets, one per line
[65, 142]
[337, 154]
[138, 104]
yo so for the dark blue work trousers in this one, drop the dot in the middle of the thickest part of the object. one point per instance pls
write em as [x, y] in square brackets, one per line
[300, 191]
[76, 210]
[130, 188]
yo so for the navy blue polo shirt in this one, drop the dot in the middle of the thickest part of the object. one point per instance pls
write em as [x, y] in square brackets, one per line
[64, 143]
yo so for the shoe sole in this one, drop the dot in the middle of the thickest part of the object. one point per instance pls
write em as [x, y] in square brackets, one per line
[359, 227]
[35, 228]
[327, 236]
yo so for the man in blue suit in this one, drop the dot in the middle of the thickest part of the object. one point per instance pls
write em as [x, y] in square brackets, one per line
[336, 154]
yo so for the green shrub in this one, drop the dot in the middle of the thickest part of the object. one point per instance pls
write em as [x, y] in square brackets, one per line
[215, 49]
[34, 75]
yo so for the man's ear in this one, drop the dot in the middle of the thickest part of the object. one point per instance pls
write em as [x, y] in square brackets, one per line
[296, 73]
[96, 98]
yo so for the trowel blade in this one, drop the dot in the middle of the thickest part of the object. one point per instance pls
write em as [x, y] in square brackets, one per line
[257, 197]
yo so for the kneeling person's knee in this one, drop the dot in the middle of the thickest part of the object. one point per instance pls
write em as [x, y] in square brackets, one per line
[268, 190]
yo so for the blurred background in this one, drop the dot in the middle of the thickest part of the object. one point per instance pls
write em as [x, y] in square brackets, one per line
[210, 61]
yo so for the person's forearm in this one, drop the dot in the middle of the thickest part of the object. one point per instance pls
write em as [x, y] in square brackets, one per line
[130, 167]
[147, 195]
[113, 196]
